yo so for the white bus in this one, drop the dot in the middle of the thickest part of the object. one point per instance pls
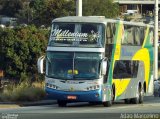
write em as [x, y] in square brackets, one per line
[95, 59]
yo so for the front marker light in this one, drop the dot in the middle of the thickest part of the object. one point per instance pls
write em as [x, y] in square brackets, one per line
[52, 86]
[95, 87]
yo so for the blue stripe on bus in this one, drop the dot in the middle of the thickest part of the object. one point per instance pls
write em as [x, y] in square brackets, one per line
[82, 96]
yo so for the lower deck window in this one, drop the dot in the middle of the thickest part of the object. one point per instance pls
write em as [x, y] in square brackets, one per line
[125, 69]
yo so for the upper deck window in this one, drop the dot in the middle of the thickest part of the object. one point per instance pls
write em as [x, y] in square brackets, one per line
[77, 34]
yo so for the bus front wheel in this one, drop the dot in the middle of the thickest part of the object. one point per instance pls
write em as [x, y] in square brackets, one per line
[107, 103]
[110, 102]
[61, 103]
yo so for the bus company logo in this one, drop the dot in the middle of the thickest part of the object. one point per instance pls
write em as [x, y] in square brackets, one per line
[71, 89]
[66, 35]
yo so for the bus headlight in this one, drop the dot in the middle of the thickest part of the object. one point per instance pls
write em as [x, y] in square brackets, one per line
[95, 87]
[51, 86]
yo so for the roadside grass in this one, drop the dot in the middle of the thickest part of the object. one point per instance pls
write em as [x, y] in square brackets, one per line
[23, 91]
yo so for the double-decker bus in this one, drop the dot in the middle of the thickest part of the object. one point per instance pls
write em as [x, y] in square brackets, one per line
[95, 59]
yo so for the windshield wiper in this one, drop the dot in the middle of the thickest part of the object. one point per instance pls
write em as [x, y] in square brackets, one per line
[48, 60]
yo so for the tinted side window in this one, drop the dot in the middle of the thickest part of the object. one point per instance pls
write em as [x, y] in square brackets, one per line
[128, 35]
[125, 69]
[110, 33]
[133, 35]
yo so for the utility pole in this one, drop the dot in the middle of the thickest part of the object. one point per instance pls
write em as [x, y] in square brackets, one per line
[156, 40]
[79, 8]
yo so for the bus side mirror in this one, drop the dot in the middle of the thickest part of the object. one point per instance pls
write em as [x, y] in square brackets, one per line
[40, 64]
[104, 67]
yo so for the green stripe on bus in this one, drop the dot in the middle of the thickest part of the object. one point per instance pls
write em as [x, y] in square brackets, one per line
[113, 53]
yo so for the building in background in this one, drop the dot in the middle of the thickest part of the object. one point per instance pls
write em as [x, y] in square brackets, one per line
[143, 6]
[8, 21]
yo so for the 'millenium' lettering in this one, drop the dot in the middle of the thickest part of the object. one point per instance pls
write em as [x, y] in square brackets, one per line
[67, 33]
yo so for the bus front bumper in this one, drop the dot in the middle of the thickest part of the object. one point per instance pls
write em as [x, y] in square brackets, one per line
[76, 96]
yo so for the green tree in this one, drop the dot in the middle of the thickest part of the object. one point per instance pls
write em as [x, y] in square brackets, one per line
[20, 49]
[60, 8]
[100, 8]
[38, 8]
[10, 7]
[25, 15]
[46, 10]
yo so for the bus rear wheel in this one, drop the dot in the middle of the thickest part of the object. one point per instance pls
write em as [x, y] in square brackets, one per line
[139, 98]
[61, 103]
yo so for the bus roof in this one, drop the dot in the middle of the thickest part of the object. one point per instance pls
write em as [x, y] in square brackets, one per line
[95, 19]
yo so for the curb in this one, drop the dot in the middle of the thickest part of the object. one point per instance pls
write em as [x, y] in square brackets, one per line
[37, 103]
[23, 104]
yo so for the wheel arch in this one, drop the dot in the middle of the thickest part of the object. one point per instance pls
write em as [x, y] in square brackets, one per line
[144, 87]
[114, 91]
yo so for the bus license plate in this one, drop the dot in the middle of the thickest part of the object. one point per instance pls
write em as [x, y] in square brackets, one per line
[71, 97]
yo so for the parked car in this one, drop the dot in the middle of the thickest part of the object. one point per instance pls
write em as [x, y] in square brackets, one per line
[157, 88]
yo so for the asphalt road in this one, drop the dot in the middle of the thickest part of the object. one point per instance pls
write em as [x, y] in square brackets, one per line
[150, 109]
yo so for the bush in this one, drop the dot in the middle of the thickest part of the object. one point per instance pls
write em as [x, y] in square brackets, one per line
[20, 49]
[22, 92]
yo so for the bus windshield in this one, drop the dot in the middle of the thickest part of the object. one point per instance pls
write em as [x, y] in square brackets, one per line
[77, 34]
[62, 65]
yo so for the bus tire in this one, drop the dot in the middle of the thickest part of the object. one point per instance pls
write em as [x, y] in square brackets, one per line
[139, 98]
[135, 100]
[109, 103]
[141, 95]
[127, 101]
[61, 103]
